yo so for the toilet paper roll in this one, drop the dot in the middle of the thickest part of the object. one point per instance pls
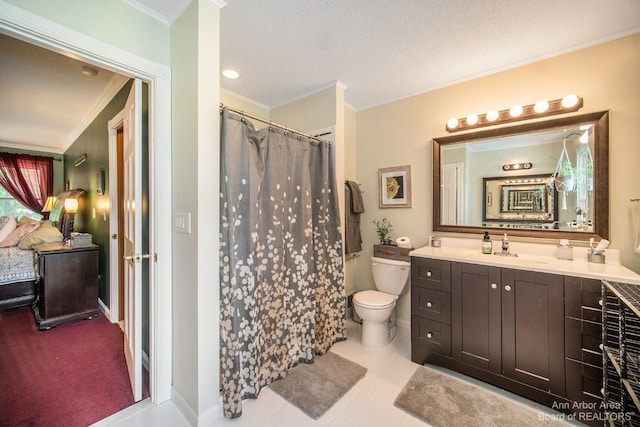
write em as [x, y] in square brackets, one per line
[403, 242]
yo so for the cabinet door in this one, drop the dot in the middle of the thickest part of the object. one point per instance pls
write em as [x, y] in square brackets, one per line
[533, 329]
[476, 315]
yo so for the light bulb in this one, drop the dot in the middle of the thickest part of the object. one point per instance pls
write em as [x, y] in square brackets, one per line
[541, 106]
[452, 123]
[472, 119]
[492, 115]
[569, 101]
[515, 111]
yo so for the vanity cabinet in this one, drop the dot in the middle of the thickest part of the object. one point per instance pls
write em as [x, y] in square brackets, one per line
[509, 322]
[430, 308]
[531, 333]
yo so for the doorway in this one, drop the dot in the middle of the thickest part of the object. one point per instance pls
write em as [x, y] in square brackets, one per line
[34, 29]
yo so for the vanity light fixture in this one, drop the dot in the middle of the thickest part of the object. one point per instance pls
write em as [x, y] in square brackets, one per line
[517, 166]
[568, 104]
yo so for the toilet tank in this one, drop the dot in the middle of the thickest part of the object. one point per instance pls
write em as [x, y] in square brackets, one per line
[390, 275]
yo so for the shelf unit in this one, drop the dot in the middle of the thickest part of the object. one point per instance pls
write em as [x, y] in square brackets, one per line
[621, 355]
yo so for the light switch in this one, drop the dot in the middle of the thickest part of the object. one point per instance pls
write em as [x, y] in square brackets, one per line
[182, 222]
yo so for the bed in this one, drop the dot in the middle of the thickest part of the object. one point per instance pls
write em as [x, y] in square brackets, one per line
[18, 272]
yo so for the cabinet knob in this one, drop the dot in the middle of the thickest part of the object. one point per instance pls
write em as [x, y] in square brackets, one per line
[494, 286]
[429, 335]
[429, 304]
[507, 288]
[600, 346]
[600, 302]
[428, 274]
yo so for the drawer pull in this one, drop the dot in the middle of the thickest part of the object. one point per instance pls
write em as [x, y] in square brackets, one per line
[428, 274]
[507, 288]
[494, 286]
[429, 335]
[429, 304]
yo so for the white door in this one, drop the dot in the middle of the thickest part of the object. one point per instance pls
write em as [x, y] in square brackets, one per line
[132, 153]
[452, 190]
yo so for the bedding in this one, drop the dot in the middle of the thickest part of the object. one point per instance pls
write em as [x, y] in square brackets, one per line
[17, 265]
[18, 272]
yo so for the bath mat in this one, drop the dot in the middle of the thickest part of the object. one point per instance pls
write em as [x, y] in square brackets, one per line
[442, 400]
[316, 387]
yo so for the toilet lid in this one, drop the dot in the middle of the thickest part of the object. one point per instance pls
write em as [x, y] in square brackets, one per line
[374, 299]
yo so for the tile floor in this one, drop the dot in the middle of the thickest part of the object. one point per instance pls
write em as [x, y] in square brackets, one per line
[368, 404]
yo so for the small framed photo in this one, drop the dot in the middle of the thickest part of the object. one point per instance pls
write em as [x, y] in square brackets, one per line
[395, 187]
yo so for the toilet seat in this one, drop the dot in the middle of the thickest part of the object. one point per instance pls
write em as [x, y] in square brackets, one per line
[375, 300]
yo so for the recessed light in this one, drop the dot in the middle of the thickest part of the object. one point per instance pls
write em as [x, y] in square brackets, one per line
[230, 74]
[89, 71]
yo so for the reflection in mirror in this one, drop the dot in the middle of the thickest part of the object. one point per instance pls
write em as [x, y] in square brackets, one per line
[563, 193]
[524, 201]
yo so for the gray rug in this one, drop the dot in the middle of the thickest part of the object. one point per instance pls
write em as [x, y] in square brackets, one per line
[316, 387]
[442, 401]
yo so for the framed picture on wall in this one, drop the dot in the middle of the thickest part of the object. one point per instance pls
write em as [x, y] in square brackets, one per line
[395, 187]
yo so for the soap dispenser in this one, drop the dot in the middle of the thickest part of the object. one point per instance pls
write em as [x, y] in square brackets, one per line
[487, 246]
[505, 244]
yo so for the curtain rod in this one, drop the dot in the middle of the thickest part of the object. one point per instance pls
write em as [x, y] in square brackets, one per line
[270, 123]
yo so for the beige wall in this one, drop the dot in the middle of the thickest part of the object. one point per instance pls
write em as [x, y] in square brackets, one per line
[195, 164]
[400, 133]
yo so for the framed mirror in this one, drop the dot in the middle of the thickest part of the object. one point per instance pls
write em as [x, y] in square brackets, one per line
[546, 179]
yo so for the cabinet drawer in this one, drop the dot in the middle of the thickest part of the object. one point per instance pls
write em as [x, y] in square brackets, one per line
[430, 304]
[431, 335]
[431, 273]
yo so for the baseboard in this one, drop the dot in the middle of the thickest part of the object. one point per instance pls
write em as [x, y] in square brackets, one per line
[206, 419]
[184, 407]
[103, 308]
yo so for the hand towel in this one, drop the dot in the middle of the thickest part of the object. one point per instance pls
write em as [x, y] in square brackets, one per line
[352, 236]
[357, 204]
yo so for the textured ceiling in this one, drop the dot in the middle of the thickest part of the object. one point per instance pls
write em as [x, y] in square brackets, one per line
[382, 50]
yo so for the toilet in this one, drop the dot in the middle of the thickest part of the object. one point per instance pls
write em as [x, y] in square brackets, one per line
[377, 308]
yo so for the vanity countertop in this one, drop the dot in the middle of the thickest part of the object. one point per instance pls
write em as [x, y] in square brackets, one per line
[578, 267]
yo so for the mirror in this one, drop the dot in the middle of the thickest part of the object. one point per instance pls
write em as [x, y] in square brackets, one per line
[546, 179]
[526, 201]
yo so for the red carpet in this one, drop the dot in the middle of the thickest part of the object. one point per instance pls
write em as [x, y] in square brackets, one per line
[72, 375]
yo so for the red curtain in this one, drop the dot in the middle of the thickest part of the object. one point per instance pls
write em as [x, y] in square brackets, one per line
[29, 179]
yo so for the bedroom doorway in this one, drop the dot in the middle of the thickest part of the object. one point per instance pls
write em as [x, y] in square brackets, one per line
[19, 23]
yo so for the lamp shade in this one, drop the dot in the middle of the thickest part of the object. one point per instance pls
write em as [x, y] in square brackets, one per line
[71, 205]
[51, 200]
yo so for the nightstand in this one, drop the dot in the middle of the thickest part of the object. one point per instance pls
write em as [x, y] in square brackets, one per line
[67, 288]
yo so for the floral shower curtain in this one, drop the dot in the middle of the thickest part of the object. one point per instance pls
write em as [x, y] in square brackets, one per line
[282, 285]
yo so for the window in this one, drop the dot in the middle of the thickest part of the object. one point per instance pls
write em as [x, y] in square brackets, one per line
[9, 205]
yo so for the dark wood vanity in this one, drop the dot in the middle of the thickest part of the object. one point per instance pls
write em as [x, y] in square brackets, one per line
[535, 334]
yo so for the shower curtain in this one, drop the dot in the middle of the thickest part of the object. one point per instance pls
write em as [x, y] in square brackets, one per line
[281, 280]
